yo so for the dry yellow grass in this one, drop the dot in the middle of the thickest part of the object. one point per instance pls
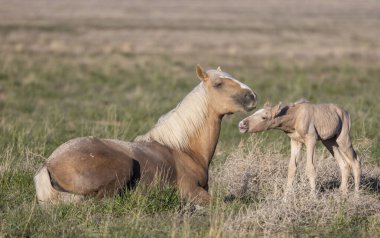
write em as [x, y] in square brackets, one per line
[258, 173]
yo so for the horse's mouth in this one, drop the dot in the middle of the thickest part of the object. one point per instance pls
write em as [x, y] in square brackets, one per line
[250, 107]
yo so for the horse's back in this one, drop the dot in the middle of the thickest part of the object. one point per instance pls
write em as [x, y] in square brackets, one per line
[88, 165]
[154, 159]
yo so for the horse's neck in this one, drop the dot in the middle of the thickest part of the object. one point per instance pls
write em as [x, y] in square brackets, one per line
[203, 144]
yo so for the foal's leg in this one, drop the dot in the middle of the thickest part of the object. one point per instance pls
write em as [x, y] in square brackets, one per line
[332, 147]
[356, 169]
[350, 156]
[310, 168]
[344, 168]
[347, 151]
[294, 157]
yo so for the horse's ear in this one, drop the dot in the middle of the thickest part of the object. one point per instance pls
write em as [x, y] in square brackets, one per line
[201, 73]
[276, 109]
[219, 69]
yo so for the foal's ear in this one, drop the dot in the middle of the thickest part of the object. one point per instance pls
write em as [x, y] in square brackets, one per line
[267, 104]
[276, 109]
[201, 73]
[219, 69]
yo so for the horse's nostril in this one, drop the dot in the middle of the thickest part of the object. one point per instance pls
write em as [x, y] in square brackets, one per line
[250, 96]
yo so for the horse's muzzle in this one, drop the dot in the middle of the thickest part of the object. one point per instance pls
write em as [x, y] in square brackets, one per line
[251, 101]
[246, 99]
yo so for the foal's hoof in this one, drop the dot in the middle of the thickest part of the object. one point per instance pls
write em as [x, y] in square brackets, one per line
[199, 207]
[285, 199]
[357, 193]
[313, 195]
[344, 193]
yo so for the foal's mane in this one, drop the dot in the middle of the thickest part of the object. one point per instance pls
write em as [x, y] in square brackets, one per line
[175, 128]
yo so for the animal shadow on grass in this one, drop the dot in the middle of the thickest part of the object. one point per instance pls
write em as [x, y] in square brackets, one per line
[243, 195]
[368, 183]
[371, 184]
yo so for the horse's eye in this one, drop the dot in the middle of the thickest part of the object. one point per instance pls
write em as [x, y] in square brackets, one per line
[218, 85]
[264, 118]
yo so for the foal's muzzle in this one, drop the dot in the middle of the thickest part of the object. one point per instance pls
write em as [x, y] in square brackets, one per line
[243, 126]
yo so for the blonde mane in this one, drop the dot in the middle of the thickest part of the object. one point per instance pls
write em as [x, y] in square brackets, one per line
[175, 128]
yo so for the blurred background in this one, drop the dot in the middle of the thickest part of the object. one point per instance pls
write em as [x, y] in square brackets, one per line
[111, 68]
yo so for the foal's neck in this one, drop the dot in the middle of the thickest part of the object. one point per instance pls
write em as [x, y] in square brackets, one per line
[284, 122]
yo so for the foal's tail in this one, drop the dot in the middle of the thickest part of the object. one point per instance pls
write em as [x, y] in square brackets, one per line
[344, 139]
[350, 155]
[44, 190]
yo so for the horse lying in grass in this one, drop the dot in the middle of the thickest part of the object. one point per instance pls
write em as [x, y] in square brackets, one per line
[305, 123]
[179, 147]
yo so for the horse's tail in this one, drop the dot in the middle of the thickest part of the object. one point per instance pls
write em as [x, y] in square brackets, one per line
[44, 189]
[47, 194]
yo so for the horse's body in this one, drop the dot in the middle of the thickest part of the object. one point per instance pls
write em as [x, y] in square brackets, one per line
[179, 149]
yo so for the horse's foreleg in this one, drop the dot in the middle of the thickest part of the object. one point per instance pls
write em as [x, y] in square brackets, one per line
[200, 196]
[195, 194]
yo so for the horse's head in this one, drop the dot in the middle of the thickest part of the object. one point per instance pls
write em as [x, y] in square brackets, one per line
[226, 94]
[261, 120]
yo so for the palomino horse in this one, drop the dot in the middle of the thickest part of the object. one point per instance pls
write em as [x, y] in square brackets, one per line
[181, 146]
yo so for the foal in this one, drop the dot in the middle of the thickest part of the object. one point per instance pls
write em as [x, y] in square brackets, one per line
[305, 123]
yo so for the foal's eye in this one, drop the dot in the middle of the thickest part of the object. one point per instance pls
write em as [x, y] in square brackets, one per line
[264, 118]
[218, 85]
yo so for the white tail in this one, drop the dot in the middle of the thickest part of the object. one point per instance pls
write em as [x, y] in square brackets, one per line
[44, 190]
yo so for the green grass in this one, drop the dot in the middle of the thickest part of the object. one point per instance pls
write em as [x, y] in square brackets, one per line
[47, 99]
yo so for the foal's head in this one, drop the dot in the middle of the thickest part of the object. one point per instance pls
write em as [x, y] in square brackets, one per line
[261, 120]
[226, 94]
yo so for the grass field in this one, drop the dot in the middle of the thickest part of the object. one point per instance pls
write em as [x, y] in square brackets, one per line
[111, 69]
